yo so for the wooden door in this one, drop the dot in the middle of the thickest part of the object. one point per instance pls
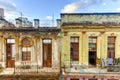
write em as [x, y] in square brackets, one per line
[9, 60]
[47, 55]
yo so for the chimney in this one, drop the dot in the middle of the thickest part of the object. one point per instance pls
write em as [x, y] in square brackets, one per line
[1, 13]
[18, 22]
[36, 23]
[2, 22]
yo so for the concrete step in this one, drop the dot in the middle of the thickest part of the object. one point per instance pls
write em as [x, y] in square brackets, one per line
[7, 71]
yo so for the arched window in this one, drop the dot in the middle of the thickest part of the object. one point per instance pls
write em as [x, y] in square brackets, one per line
[26, 42]
[26, 49]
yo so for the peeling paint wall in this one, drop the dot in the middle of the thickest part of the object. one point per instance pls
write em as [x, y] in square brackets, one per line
[83, 32]
[91, 17]
[36, 49]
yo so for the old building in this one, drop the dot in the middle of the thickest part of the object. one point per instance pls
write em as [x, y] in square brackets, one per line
[30, 51]
[90, 45]
[84, 46]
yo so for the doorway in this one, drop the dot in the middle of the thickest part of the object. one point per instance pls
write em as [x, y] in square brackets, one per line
[92, 58]
[47, 53]
[10, 53]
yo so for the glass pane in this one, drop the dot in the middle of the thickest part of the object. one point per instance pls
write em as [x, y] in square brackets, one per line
[110, 45]
[71, 39]
[26, 56]
[94, 40]
[26, 48]
[90, 40]
[47, 41]
[13, 50]
[92, 45]
[76, 39]
[10, 40]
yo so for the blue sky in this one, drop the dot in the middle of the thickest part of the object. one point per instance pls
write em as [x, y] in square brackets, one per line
[51, 9]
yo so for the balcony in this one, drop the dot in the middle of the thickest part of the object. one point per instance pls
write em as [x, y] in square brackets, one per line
[29, 68]
[102, 67]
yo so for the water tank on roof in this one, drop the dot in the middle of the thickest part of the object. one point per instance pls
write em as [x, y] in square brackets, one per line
[36, 23]
[18, 22]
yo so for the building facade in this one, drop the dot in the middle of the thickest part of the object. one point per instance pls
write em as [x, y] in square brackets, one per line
[90, 46]
[84, 46]
[29, 50]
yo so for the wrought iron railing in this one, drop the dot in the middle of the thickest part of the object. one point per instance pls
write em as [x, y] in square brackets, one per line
[32, 68]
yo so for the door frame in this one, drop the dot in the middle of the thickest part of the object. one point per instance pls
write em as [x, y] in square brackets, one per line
[47, 61]
[10, 61]
[95, 55]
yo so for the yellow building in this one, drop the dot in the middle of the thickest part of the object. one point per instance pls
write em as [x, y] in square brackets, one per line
[90, 44]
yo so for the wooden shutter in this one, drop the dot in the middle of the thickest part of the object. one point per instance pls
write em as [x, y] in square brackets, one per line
[75, 51]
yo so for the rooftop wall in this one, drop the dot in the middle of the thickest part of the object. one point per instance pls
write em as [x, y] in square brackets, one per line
[99, 18]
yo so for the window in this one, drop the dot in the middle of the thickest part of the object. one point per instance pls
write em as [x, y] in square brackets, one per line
[26, 42]
[47, 41]
[11, 41]
[26, 49]
[92, 50]
[74, 48]
[26, 56]
[92, 43]
[111, 46]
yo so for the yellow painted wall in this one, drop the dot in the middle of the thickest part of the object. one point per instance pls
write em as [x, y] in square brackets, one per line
[83, 43]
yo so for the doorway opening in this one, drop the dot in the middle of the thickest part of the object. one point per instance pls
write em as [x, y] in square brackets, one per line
[92, 50]
[10, 53]
[92, 58]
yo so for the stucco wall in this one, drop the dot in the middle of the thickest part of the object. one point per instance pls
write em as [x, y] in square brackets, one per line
[90, 17]
[83, 34]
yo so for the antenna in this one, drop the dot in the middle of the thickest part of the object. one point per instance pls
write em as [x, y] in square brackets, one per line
[21, 17]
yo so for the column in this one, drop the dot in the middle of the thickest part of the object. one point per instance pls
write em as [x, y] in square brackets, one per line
[84, 48]
[55, 57]
[17, 49]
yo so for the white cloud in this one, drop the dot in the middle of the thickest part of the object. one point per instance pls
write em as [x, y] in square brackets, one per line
[10, 9]
[49, 17]
[70, 8]
[118, 9]
[7, 5]
[75, 6]
[104, 4]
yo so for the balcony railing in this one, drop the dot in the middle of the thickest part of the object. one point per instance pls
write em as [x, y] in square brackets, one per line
[28, 67]
[101, 67]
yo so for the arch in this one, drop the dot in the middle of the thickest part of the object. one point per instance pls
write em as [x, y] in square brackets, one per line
[26, 42]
